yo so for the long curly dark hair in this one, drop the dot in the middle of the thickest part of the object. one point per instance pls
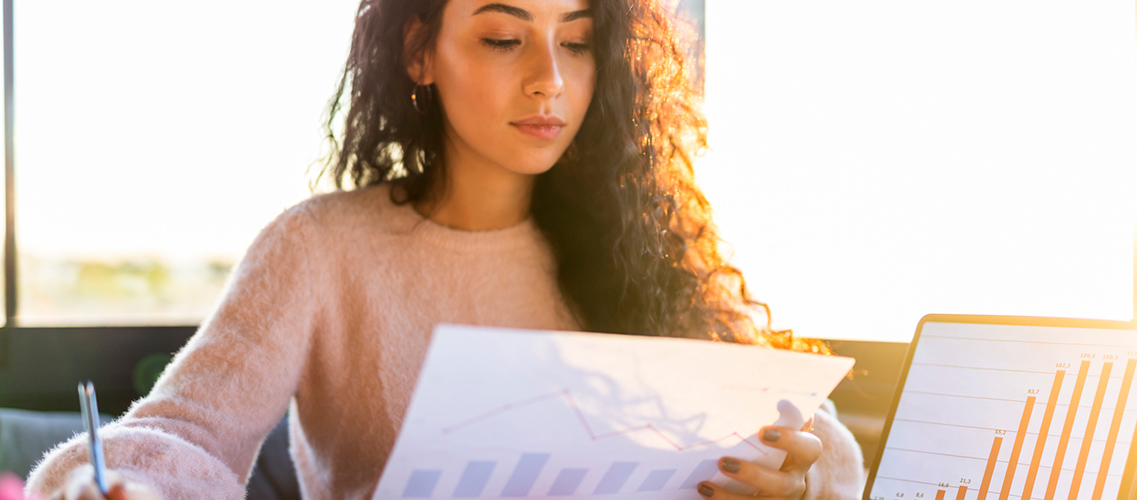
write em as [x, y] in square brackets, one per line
[636, 249]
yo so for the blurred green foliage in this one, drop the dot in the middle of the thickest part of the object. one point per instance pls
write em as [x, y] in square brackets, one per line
[124, 291]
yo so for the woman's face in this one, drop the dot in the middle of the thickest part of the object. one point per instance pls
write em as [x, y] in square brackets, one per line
[514, 79]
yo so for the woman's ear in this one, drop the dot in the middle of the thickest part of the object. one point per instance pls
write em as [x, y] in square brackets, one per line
[416, 53]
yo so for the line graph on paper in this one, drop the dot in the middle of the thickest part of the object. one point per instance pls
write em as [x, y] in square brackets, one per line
[593, 435]
[509, 414]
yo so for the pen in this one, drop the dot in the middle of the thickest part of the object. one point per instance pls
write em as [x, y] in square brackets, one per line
[91, 422]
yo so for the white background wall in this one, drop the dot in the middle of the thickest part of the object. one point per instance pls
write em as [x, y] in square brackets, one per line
[875, 161]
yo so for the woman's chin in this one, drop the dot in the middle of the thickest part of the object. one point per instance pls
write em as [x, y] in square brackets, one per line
[534, 170]
[536, 165]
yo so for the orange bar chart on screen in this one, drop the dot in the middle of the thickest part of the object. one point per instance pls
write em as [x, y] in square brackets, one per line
[991, 461]
[1040, 444]
[1064, 441]
[1020, 436]
[1115, 426]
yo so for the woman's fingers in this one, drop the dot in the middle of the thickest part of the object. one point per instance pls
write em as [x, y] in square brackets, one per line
[771, 483]
[117, 492]
[81, 485]
[78, 480]
[768, 481]
[83, 491]
[808, 427]
[802, 448]
[135, 491]
[711, 490]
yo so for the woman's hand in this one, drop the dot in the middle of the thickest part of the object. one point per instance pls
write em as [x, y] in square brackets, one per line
[802, 450]
[81, 485]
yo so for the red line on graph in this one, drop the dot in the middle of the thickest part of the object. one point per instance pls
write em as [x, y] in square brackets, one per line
[501, 410]
[567, 394]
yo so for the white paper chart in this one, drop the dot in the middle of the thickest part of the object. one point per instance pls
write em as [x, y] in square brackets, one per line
[509, 413]
[1011, 411]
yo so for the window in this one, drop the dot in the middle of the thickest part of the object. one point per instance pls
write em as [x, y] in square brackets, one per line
[155, 139]
[877, 161]
[871, 162]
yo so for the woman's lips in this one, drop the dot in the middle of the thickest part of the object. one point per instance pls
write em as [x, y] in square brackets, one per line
[547, 132]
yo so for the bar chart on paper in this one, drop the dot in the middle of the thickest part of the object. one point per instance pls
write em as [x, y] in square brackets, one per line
[1020, 412]
[525, 473]
[510, 414]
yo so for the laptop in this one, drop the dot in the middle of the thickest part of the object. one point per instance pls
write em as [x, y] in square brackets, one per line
[1003, 407]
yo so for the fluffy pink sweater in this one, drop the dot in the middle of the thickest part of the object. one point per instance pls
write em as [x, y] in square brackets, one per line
[328, 318]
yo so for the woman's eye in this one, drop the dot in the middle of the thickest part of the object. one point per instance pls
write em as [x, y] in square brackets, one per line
[577, 48]
[501, 44]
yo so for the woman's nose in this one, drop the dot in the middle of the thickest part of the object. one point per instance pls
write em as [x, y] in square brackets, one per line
[544, 77]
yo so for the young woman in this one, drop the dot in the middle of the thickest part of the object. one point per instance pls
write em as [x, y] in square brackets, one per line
[516, 163]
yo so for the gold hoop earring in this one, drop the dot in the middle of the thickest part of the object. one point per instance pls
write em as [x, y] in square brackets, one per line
[421, 107]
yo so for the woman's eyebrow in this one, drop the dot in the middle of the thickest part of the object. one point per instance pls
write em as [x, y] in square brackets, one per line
[524, 15]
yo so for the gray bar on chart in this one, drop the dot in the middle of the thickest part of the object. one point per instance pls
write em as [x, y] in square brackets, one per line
[422, 483]
[567, 482]
[615, 478]
[474, 479]
[525, 475]
[703, 472]
[656, 480]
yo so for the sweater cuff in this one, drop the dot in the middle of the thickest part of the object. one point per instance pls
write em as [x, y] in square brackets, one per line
[172, 467]
[838, 473]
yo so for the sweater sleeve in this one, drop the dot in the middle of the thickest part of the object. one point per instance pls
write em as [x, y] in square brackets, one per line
[839, 472]
[197, 434]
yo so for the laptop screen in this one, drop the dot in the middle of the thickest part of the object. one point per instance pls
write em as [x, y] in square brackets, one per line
[1010, 407]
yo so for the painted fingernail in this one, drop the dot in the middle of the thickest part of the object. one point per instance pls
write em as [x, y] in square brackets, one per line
[771, 435]
[731, 465]
[706, 491]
